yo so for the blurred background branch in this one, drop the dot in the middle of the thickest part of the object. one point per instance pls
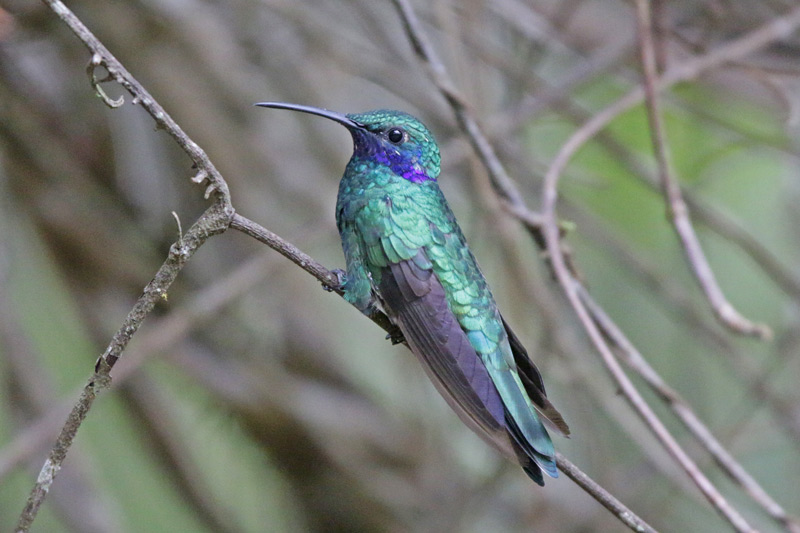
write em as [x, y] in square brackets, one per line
[284, 409]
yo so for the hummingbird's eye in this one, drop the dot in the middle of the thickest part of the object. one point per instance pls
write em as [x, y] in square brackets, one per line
[395, 135]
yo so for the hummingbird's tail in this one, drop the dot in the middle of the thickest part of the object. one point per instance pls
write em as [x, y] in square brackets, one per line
[534, 385]
[532, 461]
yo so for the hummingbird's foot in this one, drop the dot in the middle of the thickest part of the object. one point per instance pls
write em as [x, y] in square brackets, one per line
[341, 278]
[395, 335]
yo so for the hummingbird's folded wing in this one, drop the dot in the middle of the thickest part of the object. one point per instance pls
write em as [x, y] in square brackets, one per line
[415, 299]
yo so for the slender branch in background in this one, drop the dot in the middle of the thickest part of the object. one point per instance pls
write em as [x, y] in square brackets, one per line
[770, 32]
[557, 97]
[725, 312]
[728, 228]
[676, 206]
[776, 29]
[688, 70]
[742, 364]
[571, 288]
[500, 179]
[214, 221]
[634, 359]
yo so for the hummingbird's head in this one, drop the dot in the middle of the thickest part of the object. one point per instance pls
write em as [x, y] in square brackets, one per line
[387, 138]
[396, 140]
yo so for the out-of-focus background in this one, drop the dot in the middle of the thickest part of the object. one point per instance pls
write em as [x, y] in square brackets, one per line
[251, 400]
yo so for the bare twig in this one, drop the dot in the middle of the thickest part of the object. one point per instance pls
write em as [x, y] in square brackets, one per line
[678, 211]
[708, 215]
[729, 228]
[286, 249]
[117, 72]
[572, 289]
[215, 220]
[687, 70]
[742, 364]
[306, 262]
[776, 29]
[503, 125]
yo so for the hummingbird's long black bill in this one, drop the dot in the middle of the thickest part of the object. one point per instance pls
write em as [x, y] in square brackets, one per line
[332, 115]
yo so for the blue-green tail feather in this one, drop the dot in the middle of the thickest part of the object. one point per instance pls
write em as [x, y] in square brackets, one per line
[524, 424]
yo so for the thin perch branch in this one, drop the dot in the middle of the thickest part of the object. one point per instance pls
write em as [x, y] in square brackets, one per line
[215, 220]
[602, 496]
[678, 210]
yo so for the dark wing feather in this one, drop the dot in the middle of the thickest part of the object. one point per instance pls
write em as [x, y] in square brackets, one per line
[534, 386]
[414, 298]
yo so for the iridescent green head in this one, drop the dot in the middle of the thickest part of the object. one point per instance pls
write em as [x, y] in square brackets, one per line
[392, 139]
[398, 141]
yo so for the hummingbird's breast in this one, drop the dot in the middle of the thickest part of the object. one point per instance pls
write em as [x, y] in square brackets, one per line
[389, 217]
[367, 191]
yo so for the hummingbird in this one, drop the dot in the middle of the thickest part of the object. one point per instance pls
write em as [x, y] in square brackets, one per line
[407, 257]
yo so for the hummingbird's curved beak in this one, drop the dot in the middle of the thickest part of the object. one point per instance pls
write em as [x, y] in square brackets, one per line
[332, 115]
